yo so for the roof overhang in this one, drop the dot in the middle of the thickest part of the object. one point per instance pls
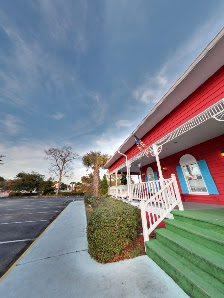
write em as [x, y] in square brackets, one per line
[207, 130]
[203, 67]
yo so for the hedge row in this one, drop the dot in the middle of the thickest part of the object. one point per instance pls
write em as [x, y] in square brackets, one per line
[66, 194]
[28, 194]
[111, 227]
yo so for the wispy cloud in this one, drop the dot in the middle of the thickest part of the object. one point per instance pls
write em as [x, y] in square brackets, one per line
[29, 67]
[152, 88]
[66, 23]
[156, 85]
[11, 124]
[57, 116]
[124, 123]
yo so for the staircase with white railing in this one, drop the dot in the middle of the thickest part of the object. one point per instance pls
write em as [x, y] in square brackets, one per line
[157, 202]
[157, 199]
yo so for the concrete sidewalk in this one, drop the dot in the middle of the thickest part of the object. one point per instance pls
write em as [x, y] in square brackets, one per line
[58, 265]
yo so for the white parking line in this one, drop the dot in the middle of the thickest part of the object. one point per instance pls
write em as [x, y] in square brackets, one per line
[20, 222]
[14, 241]
[8, 223]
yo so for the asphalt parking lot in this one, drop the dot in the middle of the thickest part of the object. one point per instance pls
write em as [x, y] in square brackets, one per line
[22, 220]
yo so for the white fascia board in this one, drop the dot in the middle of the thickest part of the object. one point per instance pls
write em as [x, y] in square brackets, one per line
[203, 67]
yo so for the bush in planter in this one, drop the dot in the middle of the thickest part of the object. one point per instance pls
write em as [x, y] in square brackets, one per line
[111, 227]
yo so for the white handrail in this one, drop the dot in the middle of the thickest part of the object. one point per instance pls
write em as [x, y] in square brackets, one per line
[158, 198]
[159, 205]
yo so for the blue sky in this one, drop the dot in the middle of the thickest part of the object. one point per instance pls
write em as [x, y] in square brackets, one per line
[85, 73]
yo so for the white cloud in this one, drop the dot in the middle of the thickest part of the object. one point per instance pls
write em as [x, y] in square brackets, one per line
[124, 123]
[153, 88]
[57, 116]
[11, 124]
[156, 85]
[109, 142]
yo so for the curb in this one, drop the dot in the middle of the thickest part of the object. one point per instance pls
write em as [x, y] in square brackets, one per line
[32, 244]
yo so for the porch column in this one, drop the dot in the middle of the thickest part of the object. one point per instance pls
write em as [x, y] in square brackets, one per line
[116, 183]
[129, 180]
[139, 175]
[108, 182]
[156, 153]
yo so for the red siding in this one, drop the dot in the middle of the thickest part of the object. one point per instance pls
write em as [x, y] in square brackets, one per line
[203, 97]
[211, 152]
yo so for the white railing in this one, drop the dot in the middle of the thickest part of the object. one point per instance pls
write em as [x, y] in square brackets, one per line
[144, 190]
[158, 205]
[157, 199]
[120, 191]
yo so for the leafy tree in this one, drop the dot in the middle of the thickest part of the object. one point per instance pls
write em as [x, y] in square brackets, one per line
[60, 162]
[2, 182]
[95, 160]
[104, 186]
[47, 187]
[63, 186]
[87, 181]
[26, 182]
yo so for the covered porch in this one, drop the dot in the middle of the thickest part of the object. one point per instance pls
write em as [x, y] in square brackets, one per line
[205, 126]
[154, 193]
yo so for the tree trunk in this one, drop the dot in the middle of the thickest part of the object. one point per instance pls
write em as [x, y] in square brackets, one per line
[59, 183]
[96, 179]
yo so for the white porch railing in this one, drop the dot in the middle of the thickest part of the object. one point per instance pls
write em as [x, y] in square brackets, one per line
[120, 191]
[157, 199]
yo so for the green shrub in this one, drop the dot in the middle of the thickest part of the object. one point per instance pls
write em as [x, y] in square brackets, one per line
[92, 201]
[22, 194]
[66, 194]
[111, 227]
[88, 198]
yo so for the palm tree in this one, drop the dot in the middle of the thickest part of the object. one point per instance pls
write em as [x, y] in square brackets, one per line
[72, 183]
[95, 160]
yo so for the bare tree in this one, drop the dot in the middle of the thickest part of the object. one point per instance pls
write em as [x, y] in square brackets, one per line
[60, 162]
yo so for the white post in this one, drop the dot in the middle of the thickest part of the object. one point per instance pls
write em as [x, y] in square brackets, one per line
[116, 183]
[180, 204]
[109, 182]
[128, 181]
[155, 151]
[144, 221]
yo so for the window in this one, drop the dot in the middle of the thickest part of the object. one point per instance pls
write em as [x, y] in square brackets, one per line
[192, 174]
[150, 174]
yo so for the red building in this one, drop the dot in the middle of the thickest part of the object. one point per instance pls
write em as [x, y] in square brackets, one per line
[182, 160]
[184, 134]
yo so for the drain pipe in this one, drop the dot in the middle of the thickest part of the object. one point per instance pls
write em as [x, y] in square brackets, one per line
[128, 173]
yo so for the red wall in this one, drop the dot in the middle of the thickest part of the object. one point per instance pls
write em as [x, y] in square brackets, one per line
[211, 152]
[206, 95]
